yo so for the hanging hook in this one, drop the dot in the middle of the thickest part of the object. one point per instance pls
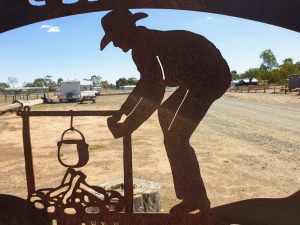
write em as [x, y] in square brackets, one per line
[71, 125]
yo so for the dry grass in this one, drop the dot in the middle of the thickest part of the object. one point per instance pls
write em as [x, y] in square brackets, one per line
[247, 146]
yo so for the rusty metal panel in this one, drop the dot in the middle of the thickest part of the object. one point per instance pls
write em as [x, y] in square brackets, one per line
[179, 59]
[17, 13]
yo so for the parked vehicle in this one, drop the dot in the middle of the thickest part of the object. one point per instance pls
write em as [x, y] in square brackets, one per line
[98, 90]
[243, 82]
[75, 90]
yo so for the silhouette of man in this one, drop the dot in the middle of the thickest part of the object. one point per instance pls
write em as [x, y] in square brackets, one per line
[169, 59]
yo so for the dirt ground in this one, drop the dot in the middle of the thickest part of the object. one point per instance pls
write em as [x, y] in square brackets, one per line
[247, 147]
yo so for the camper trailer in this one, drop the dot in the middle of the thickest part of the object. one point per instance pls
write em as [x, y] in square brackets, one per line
[75, 90]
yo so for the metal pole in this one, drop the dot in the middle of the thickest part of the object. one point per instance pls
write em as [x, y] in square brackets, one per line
[70, 113]
[128, 178]
[28, 153]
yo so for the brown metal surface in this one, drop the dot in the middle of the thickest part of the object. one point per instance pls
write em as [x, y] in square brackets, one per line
[16, 13]
[27, 151]
[76, 202]
[179, 59]
[81, 146]
[68, 113]
[128, 177]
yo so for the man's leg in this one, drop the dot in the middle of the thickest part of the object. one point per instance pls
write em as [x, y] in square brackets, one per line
[179, 116]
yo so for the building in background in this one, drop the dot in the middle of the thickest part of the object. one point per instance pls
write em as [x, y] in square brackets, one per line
[294, 81]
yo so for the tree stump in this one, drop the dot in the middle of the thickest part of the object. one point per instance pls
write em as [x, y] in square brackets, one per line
[146, 194]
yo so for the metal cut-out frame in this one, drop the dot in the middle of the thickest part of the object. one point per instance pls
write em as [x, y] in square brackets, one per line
[16, 13]
[127, 217]
[127, 154]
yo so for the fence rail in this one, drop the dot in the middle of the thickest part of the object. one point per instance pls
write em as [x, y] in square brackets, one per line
[263, 88]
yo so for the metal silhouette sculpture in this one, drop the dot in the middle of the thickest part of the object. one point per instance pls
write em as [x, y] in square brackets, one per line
[179, 59]
[74, 201]
[164, 58]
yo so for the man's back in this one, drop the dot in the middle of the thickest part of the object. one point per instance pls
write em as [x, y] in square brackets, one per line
[186, 57]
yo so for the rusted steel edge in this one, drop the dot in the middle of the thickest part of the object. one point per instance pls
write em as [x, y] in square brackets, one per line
[128, 177]
[17, 13]
[127, 155]
[149, 218]
[28, 151]
[157, 218]
[26, 114]
[67, 113]
[128, 216]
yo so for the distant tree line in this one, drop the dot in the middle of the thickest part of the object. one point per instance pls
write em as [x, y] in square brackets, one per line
[4, 85]
[47, 81]
[98, 82]
[270, 70]
[124, 82]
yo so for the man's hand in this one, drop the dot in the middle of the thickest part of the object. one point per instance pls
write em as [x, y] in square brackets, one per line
[115, 118]
[117, 129]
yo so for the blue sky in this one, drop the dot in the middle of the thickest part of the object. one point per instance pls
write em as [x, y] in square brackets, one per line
[69, 47]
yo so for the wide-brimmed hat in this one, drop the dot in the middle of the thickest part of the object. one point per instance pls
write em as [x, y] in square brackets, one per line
[116, 20]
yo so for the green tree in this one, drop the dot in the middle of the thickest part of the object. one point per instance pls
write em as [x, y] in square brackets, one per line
[4, 85]
[112, 86]
[28, 84]
[52, 86]
[285, 69]
[50, 83]
[288, 67]
[269, 60]
[298, 65]
[39, 82]
[59, 80]
[234, 75]
[105, 84]
[132, 81]
[253, 73]
[48, 79]
[96, 80]
[121, 82]
[12, 81]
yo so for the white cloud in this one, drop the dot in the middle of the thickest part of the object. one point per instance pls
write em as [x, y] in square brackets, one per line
[45, 26]
[209, 18]
[53, 29]
[50, 29]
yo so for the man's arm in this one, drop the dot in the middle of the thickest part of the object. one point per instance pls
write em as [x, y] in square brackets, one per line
[145, 98]
[151, 97]
[133, 99]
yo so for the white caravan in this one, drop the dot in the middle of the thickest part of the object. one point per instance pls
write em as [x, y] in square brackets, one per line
[75, 90]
